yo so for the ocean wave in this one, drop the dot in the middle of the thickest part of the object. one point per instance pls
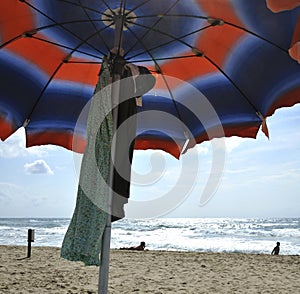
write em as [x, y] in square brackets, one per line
[200, 234]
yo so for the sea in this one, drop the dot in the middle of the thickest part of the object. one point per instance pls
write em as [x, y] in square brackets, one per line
[244, 235]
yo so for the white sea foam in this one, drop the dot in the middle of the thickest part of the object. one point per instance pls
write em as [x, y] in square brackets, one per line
[184, 234]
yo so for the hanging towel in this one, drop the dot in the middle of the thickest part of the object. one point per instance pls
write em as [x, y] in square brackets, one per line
[82, 241]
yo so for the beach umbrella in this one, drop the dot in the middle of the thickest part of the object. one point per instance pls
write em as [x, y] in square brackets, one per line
[216, 63]
[235, 52]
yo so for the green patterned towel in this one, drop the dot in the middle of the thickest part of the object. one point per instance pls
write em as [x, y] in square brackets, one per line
[82, 241]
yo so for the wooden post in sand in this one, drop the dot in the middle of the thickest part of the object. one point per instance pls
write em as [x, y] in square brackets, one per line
[30, 238]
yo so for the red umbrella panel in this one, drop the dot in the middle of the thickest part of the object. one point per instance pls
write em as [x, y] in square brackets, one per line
[234, 53]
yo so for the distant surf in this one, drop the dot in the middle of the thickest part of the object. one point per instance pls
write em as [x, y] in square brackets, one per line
[257, 235]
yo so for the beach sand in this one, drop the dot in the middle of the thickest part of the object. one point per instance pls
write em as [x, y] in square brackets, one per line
[149, 272]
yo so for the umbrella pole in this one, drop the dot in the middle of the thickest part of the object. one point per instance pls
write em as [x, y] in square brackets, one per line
[105, 251]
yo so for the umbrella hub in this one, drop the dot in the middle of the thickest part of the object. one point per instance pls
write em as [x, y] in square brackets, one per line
[111, 16]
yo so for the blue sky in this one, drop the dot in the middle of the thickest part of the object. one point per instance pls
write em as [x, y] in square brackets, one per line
[258, 178]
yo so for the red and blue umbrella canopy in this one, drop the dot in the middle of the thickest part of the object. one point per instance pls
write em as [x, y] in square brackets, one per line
[234, 53]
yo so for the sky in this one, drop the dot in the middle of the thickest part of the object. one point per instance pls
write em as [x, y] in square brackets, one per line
[222, 178]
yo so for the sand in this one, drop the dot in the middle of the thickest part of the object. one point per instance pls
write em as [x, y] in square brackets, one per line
[149, 272]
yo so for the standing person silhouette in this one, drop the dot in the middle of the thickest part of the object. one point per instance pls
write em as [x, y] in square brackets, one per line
[276, 249]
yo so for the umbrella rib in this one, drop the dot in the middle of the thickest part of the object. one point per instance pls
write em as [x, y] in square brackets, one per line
[58, 24]
[163, 76]
[48, 82]
[174, 40]
[235, 85]
[55, 71]
[150, 28]
[52, 76]
[43, 91]
[164, 58]
[168, 35]
[138, 6]
[256, 35]
[181, 41]
[85, 62]
[225, 22]
[46, 41]
[10, 41]
[108, 6]
[66, 47]
[172, 15]
[81, 6]
[91, 21]
[31, 34]
[163, 33]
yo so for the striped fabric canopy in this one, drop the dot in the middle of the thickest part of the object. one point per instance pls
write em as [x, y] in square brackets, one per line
[221, 67]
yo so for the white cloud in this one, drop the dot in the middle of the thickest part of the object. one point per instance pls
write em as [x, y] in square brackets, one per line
[14, 146]
[234, 142]
[202, 148]
[38, 167]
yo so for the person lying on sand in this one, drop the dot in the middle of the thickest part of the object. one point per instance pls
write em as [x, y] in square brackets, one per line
[141, 247]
